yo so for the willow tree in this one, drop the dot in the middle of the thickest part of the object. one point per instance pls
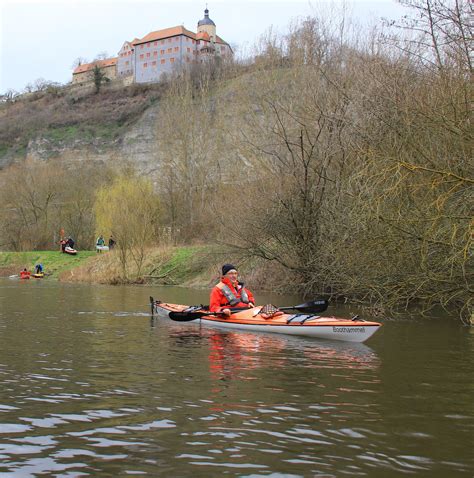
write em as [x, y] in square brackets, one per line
[129, 210]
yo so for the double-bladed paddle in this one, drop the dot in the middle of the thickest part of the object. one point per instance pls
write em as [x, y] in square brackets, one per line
[313, 307]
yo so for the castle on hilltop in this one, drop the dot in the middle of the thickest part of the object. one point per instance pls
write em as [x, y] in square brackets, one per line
[145, 60]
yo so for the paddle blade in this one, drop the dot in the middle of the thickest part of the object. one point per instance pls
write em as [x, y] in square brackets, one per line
[314, 307]
[186, 316]
[152, 305]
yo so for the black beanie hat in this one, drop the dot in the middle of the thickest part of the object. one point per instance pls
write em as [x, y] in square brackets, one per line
[226, 268]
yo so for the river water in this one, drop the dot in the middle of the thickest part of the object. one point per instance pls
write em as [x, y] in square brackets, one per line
[92, 386]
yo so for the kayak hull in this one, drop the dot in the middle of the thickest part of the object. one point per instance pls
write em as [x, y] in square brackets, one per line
[332, 328]
[332, 331]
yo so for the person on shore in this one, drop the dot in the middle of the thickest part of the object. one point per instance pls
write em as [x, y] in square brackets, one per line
[38, 268]
[100, 243]
[230, 292]
[111, 243]
[70, 242]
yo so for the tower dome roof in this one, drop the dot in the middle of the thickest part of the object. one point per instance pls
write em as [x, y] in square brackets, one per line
[206, 20]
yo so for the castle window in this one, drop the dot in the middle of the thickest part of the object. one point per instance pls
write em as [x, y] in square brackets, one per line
[145, 65]
[154, 63]
[162, 52]
[155, 43]
[155, 53]
[171, 60]
[142, 56]
[163, 60]
[188, 49]
[148, 55]
[169, 50]
[176, 48]
[141, 46]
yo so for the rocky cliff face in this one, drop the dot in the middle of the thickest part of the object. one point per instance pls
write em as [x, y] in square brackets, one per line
[137, 146]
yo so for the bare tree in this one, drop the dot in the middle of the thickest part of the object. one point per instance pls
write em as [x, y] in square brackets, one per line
[78, 62]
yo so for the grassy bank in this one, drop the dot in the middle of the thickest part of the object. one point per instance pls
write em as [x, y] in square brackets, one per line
[185, 265]
[54, 263]
[192, 266]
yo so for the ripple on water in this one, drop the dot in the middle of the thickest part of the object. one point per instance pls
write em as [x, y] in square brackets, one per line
[6, 428]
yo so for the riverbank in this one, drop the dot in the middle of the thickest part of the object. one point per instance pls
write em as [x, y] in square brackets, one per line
[54, 263]
[191, 266]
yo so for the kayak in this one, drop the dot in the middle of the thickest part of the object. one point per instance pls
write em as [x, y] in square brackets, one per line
[102, 248]
[70, 250]
[255, 320]
[39, 275]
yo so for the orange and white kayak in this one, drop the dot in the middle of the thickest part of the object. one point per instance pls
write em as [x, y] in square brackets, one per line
[253, 319]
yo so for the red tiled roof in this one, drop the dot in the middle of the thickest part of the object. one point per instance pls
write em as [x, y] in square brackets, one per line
[203, 36]
[165, 33]
[90, 66]
[174, 31]
[220, 40]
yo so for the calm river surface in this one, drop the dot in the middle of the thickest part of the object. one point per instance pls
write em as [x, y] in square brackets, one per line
[92, 386]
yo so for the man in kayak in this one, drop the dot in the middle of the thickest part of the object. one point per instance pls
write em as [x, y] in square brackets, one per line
[229, 292]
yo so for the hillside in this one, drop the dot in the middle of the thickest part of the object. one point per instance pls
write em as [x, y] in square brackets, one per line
[67, 121]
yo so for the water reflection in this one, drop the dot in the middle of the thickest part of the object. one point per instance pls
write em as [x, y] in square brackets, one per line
[231, 352]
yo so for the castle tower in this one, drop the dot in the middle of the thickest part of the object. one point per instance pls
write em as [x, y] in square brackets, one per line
[208, 26]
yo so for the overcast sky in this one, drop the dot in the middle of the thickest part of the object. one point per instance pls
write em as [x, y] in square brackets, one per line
[42, 38]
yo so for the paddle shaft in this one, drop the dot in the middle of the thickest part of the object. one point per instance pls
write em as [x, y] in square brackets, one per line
[193, 315]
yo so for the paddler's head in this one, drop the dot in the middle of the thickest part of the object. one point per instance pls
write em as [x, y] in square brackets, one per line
[229, 271]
